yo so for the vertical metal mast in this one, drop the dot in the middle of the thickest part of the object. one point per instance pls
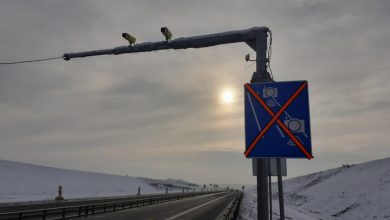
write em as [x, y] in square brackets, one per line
[261, 75]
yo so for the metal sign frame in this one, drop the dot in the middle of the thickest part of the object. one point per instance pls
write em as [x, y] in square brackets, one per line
[272, 168]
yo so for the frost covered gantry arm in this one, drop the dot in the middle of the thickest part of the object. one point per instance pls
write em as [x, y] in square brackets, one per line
[248, 36]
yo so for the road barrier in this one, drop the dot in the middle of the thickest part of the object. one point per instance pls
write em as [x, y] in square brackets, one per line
[92, 209]
[231, 211]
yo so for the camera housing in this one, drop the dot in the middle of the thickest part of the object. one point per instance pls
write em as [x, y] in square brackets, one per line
[129, 38]
[167, 33]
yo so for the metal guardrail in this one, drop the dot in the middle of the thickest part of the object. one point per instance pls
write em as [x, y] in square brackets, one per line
[67, 212]
[231, 211]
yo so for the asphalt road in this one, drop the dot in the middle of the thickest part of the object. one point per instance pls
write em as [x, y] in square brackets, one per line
[203, 207]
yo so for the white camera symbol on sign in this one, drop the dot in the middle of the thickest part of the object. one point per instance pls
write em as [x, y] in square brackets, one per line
[295, 125]
[270, 92]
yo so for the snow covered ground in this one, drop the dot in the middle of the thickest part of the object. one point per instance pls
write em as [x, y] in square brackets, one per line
[350, 192]
[20, 182]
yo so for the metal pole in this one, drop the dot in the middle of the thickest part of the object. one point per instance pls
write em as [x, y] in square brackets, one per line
[280, 188]
[270, 189]
[261, 75]
[262, 189]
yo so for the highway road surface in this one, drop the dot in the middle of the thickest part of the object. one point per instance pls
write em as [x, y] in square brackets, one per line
[203, 207]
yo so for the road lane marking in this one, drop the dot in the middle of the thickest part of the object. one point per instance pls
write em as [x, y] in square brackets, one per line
[212, 194]
[196, 207]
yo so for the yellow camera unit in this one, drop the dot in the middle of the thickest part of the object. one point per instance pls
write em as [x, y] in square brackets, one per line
[129, 38]
[167, 33]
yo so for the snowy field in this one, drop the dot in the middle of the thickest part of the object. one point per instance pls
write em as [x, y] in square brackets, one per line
[20, 182]
[350, 192]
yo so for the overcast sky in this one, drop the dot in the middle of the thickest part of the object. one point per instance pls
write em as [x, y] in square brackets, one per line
[160, 114]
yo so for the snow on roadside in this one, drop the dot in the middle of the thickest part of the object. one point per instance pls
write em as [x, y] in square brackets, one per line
[20, 182]
[248, 208]
[350, 192]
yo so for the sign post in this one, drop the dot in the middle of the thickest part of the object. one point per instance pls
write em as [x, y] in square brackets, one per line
[277, 125]
[280, 189]
[270, 189]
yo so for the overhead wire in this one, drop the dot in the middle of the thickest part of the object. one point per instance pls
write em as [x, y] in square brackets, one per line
[31, 61]
[270, 53]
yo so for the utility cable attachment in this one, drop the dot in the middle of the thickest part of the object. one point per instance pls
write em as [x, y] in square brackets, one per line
[248, 58]
[31, 61]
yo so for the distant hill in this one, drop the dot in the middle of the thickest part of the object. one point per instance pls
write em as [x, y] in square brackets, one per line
[26, 182]
[170, 184]
[353, 192]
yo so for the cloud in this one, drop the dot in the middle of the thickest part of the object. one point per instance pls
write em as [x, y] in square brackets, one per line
[158, 113]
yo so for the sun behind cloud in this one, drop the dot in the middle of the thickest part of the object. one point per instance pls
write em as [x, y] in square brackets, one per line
[227, 96]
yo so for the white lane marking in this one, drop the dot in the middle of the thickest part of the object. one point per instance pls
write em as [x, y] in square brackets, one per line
[212, 194]
[196, 207]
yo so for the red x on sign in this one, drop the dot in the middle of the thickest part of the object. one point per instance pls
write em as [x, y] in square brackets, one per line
[275, 118]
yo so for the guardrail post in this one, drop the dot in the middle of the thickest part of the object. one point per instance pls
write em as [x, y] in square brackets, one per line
[63, 213]
[44, 215]
[20, 216]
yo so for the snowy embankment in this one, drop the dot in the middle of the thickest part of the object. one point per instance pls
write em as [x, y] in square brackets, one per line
[350, 192]
[20, 182]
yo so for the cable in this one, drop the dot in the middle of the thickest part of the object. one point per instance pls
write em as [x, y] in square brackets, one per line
[31, 61]
[270, 46]
[270, 53]
[270, 71]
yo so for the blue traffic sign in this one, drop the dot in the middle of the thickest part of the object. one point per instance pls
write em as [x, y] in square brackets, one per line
[277, 120]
